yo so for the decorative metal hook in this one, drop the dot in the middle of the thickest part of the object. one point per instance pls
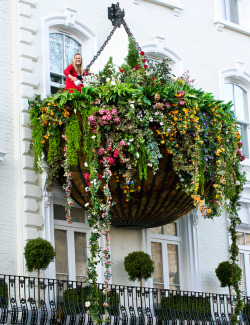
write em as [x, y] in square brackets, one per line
[115, 14]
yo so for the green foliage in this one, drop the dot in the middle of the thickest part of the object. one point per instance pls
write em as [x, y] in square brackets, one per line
[78, 296]
[139, 266]
[224, 273]
[37, 132]
[39, 253]
[133, 57]
[107, 73]
[185, 304]
[73, 134]
[3, 293]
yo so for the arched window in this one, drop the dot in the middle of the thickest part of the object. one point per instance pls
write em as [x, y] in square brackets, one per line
[61, 49]
[238, 96]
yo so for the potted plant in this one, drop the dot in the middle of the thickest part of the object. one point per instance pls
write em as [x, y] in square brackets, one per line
[39, 253]
[139, 265]
[224, 273]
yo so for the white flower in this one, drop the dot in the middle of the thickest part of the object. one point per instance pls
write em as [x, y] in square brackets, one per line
[230, 261]
[131, 140]
[96, 260]
[237, 182]
[93, 137]
[90, 281]
[86, 205]
[86, 164]
[87, 304]
[86, 189]
[95, 231]
[137, 155]
[108, 79]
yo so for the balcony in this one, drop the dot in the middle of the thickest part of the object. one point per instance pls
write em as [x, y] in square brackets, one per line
[29, 300]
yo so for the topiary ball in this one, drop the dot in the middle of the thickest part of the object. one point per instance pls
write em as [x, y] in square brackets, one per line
[39, 253]
[224, 273]
[139, 266]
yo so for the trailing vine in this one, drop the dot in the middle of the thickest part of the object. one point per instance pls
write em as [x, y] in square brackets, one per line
[122, 122]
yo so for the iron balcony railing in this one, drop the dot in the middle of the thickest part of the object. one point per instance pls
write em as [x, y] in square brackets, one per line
[30, 300]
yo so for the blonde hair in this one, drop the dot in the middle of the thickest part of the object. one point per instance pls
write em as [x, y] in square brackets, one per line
[74, 65]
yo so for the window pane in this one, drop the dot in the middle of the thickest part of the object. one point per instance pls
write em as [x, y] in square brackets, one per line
[173, 266]
[229, 93]
[247, 239]
[157, 230]
[56, 52]
[240, 240]
[170, 229]
[242, 266]
[240, 108]
[61, 254]
[234, 12]
[244, 138]
[77, 214]
[80, 256]
[71, 47]
[156, 254]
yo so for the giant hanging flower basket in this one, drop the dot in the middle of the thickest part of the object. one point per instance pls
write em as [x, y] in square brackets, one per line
[139, 148]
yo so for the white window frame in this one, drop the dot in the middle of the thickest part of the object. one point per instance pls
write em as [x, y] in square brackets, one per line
[164, 240]
[238, 76]
[70, 230]
[75, 38]
[245, 250]
[221, 21]
[246, 102]
[77, 30]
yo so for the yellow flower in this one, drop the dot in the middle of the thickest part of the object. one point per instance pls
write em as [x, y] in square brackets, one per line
[208, 210]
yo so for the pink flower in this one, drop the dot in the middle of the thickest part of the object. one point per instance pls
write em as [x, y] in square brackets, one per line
[101, 111]
[100, 151]
[117, 120]
[123, 143]
[108, 117]
[107, 111]
[114, 111]
[168, 104]
[109, 148]
[159, 105]
[89, 184]
[97, 101]
[92, 119]
[86, 176]
[182, 102]
[116, 153]
[182, 93]
[102, 123]
[111, 160]
[99, 176]
[105, 304]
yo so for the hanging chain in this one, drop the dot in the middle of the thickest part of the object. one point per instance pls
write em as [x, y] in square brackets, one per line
[128, 31]
[102, 48]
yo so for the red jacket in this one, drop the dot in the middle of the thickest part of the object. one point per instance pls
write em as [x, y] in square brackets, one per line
[69, 83]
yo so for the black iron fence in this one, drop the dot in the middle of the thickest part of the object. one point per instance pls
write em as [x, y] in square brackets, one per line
[29, 300]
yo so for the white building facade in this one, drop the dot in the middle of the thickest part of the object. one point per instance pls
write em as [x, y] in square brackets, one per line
[39, 38]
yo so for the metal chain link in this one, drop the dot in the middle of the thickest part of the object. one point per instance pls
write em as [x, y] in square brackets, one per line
[128, 31]
[102, 48]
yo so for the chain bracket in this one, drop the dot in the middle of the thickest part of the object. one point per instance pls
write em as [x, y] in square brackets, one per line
[115, 14]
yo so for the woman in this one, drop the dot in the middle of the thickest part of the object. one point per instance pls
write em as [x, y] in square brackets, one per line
[74, 73]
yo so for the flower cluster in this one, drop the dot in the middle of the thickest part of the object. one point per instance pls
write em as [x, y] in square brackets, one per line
[125, 127]
[105, 116]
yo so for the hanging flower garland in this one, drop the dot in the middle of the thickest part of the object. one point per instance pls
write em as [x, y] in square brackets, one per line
[121, 126]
